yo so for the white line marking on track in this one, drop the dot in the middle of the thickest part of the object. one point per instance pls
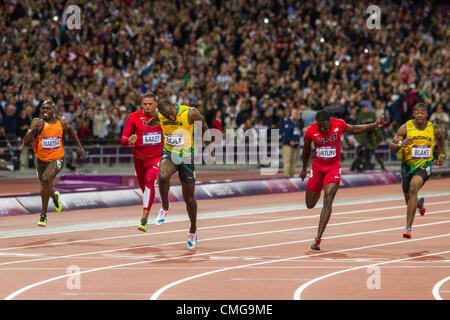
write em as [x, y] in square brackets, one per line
[335, 215]
[219, 238]
[170, 285]
[299, 291]
[436, 288]
[211, 215]
[22, 290]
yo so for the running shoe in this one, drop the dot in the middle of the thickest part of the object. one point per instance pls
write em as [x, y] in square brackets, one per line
[316, 244]
[161, 216]
[192, 240]
[57, 203]
[142, 225]
[42, 220]
[407, 233]
[422, 210]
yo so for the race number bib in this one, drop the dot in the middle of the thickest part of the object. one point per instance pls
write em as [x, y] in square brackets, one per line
[175, 140]
[50, 143]
[326, 152]
[151, 138]
[421, 152]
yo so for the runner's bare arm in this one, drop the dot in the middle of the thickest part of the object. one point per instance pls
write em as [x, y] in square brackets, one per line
[440, 144]
[35, 125]
[155, 120]
[307, 147]
[357, 129]
[399, 140]
[71, 131]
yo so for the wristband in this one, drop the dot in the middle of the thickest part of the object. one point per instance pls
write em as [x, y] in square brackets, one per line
[442, 155]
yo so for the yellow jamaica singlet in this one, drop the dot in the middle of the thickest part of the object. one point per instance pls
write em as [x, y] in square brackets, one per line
[419, 154]
[178, 134]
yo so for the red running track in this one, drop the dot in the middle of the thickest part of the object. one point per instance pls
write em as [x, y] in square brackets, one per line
[249, 248]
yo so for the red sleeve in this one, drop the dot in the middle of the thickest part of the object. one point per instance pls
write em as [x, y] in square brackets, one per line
[127, 131]
[343, 125]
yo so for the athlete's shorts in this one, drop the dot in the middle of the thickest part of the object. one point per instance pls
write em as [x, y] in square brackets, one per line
[425, 173]
[58, 164]
[323, 175]
[184, 166]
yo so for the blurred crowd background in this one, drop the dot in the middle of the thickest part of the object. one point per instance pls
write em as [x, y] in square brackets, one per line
[243, 64]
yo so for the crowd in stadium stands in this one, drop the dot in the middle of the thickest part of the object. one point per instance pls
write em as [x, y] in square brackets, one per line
[242, 63]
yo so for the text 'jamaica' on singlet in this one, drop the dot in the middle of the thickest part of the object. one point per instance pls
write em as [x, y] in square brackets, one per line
[419, 154]
[178, 134]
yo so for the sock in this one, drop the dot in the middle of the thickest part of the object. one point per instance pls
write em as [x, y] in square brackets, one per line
[409, 229]
[144, 221]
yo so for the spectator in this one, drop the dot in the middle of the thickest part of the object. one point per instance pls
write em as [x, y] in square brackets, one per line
[290, 140]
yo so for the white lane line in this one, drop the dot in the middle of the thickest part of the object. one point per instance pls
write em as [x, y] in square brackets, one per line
[156, 295]
[336, 214]
[211, 215]
[436, 288]
[299, 291]
[36, 284]
[212, 239]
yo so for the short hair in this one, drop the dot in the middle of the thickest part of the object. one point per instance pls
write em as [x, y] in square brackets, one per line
[149, 95]
[420, 105]
[164, 104]
[322, 115]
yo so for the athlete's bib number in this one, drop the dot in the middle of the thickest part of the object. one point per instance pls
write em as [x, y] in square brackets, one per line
[151, 138]
[326, 152]
[421, 152]
[50, 143]
[175, 140]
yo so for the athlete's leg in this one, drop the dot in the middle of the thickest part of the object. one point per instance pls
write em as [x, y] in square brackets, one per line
[151, 174]
[191, 204]
[311, 198]
[414, 187]
[328, 198]
[166, 170]
[313, 187]
[47, 191]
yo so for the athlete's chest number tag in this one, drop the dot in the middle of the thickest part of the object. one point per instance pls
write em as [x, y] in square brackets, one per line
[49, 143]
[326, 152]
[151, 138]
[175, 140]
[421, 152]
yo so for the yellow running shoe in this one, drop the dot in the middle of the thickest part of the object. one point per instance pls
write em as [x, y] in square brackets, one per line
[57, 204]
[42, 220]
[142, 226]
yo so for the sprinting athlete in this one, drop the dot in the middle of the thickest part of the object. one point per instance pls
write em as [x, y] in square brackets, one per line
[147, 150]
[177, 122]
[326, 133]
[46, 135]
[414, 143]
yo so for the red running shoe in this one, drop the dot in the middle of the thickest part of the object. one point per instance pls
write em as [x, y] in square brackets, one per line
[316, 244]
[422, 210]
[407, 233]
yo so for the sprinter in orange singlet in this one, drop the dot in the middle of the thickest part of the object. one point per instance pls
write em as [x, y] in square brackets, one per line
[46, 135]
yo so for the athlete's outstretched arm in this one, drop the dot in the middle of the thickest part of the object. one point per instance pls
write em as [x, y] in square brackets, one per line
[440, 144]
[399, 140]
[35, 125]
[307, 147]
[71, 131]
[357, 129]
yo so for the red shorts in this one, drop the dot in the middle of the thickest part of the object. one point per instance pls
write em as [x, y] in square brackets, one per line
[323, 175]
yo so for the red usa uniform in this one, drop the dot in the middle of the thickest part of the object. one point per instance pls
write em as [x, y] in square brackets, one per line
[326, 165]
[147, 152]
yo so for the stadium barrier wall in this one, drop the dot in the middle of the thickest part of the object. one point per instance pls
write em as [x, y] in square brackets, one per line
[114, 191]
